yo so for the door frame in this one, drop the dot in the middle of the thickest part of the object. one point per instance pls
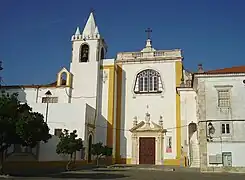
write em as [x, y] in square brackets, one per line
[159, 149]
[154, 156]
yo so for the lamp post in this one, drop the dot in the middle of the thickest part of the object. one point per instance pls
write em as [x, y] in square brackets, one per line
[48, 94]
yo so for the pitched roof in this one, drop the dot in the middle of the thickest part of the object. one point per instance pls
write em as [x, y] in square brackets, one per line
[235, 69]
[53, 84]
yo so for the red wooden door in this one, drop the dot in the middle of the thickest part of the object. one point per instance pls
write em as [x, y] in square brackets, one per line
[147, 150]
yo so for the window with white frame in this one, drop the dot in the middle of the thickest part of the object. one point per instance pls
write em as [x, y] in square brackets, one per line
[148, 81]
[50, 99]
[225, 128]
[224, 98]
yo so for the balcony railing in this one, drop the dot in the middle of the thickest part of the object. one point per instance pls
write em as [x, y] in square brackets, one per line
[164, 54]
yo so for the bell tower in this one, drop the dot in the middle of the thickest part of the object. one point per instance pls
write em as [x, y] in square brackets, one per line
[88, 51]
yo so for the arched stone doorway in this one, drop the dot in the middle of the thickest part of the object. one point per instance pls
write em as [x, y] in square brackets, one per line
[90, 141]
[193, 145]
[192, 128]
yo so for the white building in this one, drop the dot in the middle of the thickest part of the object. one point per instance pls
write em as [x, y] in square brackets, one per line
[131, 103]
[217, 98]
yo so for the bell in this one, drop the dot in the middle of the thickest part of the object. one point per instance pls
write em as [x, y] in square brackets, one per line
[85, 55]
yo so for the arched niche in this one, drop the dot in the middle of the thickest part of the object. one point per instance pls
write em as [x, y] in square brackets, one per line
[84, 53]
[64, 78]
[192, 128]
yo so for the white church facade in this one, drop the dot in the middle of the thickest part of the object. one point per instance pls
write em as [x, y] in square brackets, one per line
[142, 104]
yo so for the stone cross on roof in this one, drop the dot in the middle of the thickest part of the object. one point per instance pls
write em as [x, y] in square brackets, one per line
[148, 31]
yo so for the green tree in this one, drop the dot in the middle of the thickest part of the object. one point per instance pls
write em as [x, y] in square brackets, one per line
[100, 150]
[19, 125]
[69, 144]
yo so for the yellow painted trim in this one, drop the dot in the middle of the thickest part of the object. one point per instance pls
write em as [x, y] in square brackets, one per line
[178, 70]
[118, 112]
[107, 66]
[171, 162]
[125, 161]
[68, 77]
[110, 116]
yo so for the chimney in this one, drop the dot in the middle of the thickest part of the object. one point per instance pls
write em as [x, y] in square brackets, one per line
[200, 69]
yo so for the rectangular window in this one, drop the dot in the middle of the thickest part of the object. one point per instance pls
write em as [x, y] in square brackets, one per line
[223, 98]
[50, 99]
[57, 132]
[225, 128]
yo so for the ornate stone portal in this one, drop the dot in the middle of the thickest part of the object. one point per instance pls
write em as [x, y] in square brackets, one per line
[147, 129]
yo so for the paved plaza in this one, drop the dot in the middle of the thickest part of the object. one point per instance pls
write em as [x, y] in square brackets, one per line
[134, 174]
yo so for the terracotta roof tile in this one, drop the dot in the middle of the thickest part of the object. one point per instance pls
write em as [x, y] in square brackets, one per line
[235, 69]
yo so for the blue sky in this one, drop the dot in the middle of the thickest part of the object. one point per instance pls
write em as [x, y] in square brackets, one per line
[35, 35]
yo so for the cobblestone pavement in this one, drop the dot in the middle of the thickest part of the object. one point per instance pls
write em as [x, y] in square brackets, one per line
[122, 174]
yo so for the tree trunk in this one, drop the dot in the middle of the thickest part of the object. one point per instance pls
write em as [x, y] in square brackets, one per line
[68, 165]
[97, 161]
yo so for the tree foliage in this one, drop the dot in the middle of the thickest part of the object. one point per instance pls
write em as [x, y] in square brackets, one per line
[100, 150]
[69, 144]
[19, 124]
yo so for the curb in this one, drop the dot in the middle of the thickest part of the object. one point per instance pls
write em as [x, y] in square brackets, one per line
[157, 169]
[6, 177]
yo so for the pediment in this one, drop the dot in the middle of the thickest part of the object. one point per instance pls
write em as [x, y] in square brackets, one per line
[64, 70]
[143, 126]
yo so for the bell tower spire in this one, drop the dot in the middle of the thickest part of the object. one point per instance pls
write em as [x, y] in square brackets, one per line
[88, 49]
[90, 31]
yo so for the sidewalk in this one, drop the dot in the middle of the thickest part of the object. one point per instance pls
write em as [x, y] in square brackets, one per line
[155, 167]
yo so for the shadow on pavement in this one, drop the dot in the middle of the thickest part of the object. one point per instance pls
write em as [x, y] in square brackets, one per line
[80, 173]
[77, 175]
[109, 170]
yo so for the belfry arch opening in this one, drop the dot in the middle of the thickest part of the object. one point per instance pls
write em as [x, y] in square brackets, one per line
[84, 53]
[64, 78]
[102, 54]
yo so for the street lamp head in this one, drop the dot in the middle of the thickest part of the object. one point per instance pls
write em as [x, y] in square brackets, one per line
[48, 93]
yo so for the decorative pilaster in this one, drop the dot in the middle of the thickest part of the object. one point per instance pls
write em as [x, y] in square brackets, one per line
[160, 149]
[134, 143]
[134, 148]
